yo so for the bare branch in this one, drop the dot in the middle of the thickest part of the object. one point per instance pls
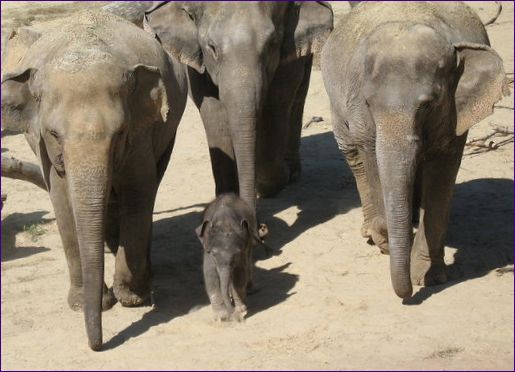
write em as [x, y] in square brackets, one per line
[25, 171]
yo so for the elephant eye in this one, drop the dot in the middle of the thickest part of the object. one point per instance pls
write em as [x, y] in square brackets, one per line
[212, 49]
[54, 134]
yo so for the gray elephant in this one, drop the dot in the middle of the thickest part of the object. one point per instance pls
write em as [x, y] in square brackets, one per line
[227, 234]
[100, 101]
[249, 68]
[406, 81]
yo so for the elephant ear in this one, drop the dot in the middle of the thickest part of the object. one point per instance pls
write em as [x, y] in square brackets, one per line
[149, 95]
[173, 24]
[200, 234]
[308, 25]
[19, 106]
[20, 113]
[482, 83]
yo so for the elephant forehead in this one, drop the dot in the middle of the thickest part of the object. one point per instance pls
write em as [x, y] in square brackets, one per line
[76, 60]
[408, 45]
[95, 82]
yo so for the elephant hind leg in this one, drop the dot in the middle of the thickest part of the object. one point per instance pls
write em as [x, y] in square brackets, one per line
[112, 236]
[295, 127]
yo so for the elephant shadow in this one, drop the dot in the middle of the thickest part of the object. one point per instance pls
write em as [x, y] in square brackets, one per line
[15, 223]
[178, 283]
[481, 231]
[326, 189]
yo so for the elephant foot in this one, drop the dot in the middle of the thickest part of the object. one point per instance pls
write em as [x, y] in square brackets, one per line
[221, 313]
[295, 170]
[365, 230]
[76, 298]
[272, 180]
[426, 273]
[239, 313]
[375, 231]
[129, 297]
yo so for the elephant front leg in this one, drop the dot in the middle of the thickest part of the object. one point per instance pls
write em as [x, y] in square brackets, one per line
[212, 283]
[427, 256]
[214, 118]
[136, 200]
[366, 174]
[66, 225]
[241, 280]
[273, 143]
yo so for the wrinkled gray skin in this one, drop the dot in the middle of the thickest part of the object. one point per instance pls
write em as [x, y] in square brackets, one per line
[227, 234]
[250, 64]
[406, 81]
[100, 101]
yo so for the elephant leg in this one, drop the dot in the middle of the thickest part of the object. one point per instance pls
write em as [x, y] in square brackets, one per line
[355, 160]
[272, 170]
[214, 118]
[137, 195]
[239, 290]
[376, 227]
[427, 255]
[295, 127]
[66, 225]
[113, 224]
[212, 283]
[417, 196]
[363, 165]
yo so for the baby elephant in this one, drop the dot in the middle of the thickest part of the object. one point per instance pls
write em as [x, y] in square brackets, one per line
[227, 234]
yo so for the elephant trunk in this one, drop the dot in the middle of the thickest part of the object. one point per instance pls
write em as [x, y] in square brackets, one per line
[225, 285]
[397, 152]
[243, 103]
[88, 181]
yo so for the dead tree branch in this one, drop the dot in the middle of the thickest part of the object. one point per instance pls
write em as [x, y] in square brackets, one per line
[481, 145]
[22, 170]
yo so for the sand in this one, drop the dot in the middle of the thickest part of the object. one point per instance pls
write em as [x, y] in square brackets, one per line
[323, 302]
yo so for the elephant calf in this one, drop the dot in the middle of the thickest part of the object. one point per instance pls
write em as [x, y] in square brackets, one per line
[100, 102]
[406, 81]
[227, 233]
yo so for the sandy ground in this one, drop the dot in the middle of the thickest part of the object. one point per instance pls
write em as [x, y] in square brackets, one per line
[324, 302]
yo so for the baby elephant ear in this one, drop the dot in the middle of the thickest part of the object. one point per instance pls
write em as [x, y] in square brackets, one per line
[200, 230]
[18, 104]
[482, 83]
[150, 98]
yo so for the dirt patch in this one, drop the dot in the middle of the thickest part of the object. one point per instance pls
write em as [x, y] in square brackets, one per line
[324, 302]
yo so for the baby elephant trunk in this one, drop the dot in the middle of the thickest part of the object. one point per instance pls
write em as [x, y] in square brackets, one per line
[225, 286]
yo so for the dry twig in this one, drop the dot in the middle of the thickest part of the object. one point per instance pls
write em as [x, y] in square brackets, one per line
[481, 145]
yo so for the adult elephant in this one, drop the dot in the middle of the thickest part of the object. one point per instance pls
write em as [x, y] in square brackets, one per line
[100, 102]
[406, 81]
[249, 68]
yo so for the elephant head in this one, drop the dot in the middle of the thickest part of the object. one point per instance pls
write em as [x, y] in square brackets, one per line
[413, 89]
[80, 118]
[240, 45]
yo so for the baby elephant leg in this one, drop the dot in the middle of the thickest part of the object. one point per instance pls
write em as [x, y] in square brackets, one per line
[212, 283]
[239, 291]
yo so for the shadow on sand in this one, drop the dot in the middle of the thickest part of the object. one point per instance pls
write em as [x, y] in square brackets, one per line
[481, 230]
[325, 190]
